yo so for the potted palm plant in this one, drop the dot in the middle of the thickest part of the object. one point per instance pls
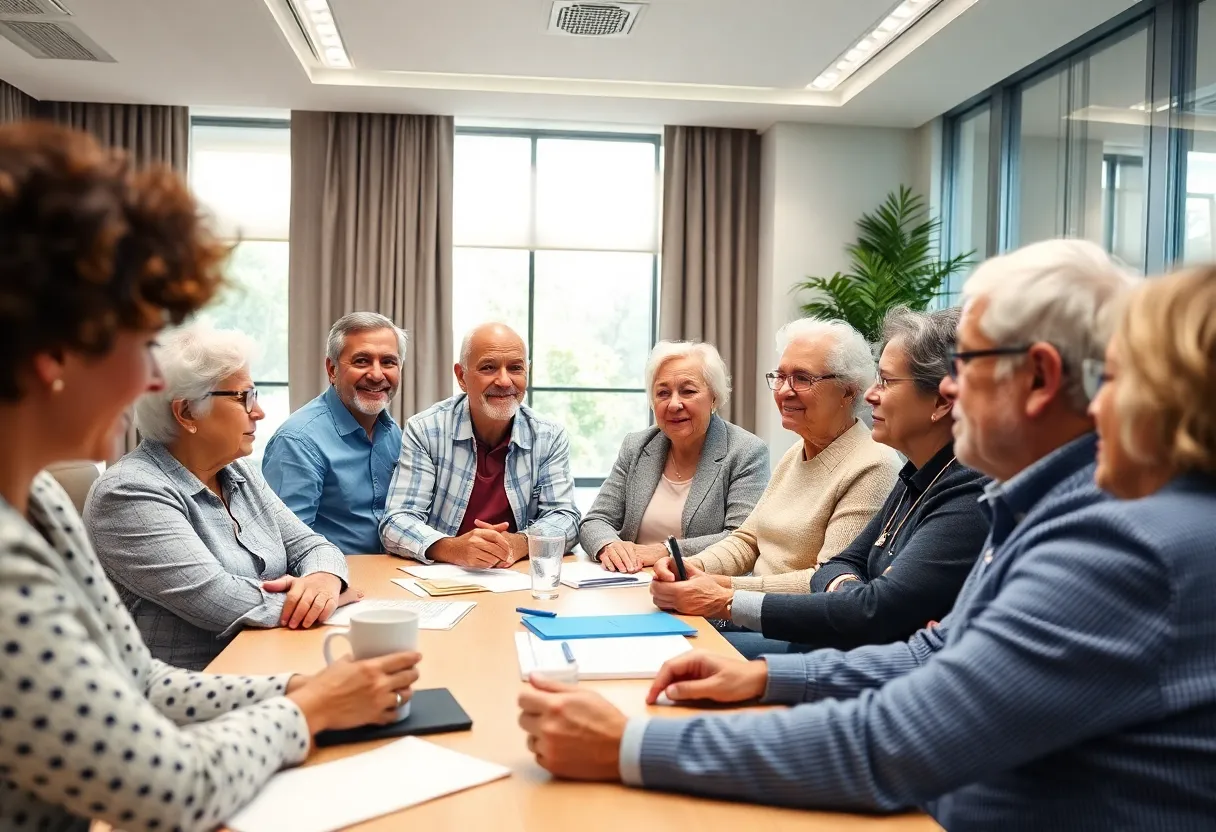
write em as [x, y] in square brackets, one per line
[895, 262]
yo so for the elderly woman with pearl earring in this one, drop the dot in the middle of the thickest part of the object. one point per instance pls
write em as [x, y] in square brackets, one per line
[692, 476]
[197, 542]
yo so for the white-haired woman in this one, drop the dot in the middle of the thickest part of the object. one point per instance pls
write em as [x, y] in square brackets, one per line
[692, 476]
[824, 490]
[197, 542]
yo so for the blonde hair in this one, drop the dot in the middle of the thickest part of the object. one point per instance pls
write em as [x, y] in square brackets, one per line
[1166, 399]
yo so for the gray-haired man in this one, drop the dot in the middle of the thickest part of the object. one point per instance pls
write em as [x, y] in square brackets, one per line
[332, 461]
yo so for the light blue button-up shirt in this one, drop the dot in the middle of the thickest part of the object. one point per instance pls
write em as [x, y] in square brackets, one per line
[323, 466]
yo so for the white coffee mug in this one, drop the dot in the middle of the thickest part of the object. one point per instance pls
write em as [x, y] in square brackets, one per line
[378, 633]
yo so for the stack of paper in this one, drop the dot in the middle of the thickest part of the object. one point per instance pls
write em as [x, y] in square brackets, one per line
[432, 615]
[340, 794]
[495, 580]
[588, 575]
[600, 658]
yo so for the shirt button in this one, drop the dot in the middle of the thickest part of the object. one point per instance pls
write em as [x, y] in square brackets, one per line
[987, 556]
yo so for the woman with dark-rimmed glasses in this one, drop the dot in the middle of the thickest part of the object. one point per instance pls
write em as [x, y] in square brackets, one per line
[197, 542]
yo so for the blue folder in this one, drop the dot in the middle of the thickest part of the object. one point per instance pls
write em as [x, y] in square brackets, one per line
[567, 627]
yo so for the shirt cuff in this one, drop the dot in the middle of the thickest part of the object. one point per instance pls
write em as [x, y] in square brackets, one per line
[425, 546]
[786, 679]
[746, 609]
[327, 558]
[631, 751]
[294, 755]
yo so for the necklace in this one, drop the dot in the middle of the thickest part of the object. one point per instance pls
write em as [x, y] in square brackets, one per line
[886, 531]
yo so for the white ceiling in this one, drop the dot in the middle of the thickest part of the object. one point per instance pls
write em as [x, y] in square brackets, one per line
[723, 62]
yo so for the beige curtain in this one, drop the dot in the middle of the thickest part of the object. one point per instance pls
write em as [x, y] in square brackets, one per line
[711, 250]
[150, 134]
[14, 104]
[371, 230]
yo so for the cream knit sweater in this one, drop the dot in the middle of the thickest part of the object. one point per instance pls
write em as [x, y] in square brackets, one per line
[810, 511]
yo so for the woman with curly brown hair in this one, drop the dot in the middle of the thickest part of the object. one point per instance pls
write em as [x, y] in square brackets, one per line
[94, 259]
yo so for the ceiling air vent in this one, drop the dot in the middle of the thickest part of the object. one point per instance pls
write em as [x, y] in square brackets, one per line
[32, 8]
[593, 20]
[60, 41]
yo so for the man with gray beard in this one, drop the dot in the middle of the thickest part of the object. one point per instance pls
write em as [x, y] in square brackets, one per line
[332, 461]
[478, 469]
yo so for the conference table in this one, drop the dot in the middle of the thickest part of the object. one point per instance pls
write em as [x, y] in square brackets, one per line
[476, 661]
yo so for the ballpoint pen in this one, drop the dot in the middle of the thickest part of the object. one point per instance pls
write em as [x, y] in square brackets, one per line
[674, 548]
[541, 613]
[568, 653]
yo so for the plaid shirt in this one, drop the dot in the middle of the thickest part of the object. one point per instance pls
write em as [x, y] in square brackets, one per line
[434, 478]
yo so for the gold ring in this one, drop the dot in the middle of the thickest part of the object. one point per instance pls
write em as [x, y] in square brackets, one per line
[400, 699]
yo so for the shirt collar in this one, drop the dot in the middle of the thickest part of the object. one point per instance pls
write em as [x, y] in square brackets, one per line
[344, 420]
[917, 480]
[179, 474]
[521, 434]
[1019, 494]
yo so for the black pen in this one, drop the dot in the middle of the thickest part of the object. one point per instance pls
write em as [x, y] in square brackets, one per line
[674, 548]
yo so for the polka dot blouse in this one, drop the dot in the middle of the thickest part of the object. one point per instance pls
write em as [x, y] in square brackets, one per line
[91, 726]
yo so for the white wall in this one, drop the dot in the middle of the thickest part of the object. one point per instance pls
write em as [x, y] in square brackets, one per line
[816, 180]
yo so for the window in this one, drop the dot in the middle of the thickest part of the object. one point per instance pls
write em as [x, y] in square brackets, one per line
[241, 172]
[968, 211]
[556, 235]
[1199, 230]
[1081, 147]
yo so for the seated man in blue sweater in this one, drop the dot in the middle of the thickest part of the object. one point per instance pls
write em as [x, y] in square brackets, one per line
[1073, 686]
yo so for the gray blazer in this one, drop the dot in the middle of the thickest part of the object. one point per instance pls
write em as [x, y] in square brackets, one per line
[189, 571]
[731, 475]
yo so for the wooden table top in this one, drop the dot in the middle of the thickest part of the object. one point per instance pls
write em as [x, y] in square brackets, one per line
[476, 660]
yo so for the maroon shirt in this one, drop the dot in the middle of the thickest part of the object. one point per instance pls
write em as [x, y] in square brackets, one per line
[488, 502]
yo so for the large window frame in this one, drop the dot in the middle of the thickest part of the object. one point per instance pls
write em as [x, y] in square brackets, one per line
[236, 124]
[535, 136]
[1172, 33]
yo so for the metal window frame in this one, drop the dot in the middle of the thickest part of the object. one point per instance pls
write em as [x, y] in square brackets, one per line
[236, 122]
[535, 135]
[1173, 36]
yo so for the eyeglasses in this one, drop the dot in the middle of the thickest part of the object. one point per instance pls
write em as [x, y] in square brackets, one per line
[885, 381]
[1093, 376]
[249, 397]
[958, 359]
[799, 382]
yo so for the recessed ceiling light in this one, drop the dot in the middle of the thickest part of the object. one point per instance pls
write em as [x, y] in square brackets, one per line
[318, 22]
[899, 20]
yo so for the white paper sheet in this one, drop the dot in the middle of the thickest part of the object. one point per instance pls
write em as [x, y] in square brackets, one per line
[412, 586]
[601, 658]
[345, 792]
[432, 615]
[576, 573]
[495, 580]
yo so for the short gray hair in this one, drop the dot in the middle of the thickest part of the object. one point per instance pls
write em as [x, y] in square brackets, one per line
[193, 361]
[1057, 291]
[713, 368]
[850, 359]
[927, 339]
[361, 322]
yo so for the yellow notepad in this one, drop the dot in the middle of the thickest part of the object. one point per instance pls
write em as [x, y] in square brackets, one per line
[447, 586]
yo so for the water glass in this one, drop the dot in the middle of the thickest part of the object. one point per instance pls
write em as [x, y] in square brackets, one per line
[545, 554]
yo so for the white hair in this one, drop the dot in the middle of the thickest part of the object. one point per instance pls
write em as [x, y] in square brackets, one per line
[193, 361]
[361, 322]
[1057, 291]
[850, 358]
[713, 368]
[466, 343]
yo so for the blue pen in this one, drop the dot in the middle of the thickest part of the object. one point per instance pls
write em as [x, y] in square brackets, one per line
[569, 654]
[541, 613]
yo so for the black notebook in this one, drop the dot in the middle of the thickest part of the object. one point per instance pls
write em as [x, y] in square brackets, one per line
[434, 711]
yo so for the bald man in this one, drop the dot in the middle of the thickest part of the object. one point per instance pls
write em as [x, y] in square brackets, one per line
[479, 468]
